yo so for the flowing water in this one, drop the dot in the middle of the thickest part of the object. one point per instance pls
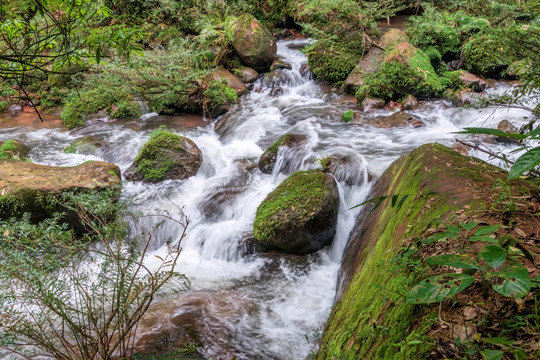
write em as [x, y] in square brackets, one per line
[268, 306]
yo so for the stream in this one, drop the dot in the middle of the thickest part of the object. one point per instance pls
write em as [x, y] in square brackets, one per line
[263, 306]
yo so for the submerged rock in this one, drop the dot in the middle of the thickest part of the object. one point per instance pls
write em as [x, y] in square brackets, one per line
[289, 141]
[88, 145]
[254, 43]
[37, 189]
[165, 156]
[372, 103]
[13, 150]
[279, 63]
[397, 119]
[300, 215]
[409, 103]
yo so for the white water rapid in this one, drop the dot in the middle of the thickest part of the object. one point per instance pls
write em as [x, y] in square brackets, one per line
[256, 306]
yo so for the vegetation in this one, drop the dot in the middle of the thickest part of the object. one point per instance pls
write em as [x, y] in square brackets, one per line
[54, 304]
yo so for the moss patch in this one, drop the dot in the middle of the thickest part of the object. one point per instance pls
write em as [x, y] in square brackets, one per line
[331, 61]
[13, 150]
[347, 116]
[304, 191]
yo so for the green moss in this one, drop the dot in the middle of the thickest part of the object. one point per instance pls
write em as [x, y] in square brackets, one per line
[361, 93]
[434, 56]
[127, 110]
[397, 79]
[347, 116]
[331, 61]
[218, 93]
[13, 150]
[303, 189]
[154, 161]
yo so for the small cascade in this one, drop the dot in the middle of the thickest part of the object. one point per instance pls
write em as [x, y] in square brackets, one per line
[264, 305]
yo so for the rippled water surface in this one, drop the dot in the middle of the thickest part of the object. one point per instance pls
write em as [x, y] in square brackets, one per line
[266, 306]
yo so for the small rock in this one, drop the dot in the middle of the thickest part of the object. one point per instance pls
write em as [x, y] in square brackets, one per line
[397, 119]
[281, 34]
[460, 148]
[392, 105]
[277, 91]
[409, 103]
[275, 78]
[279, 63]
[289, 141]
[372, 103]
[473, 81]
[88, 145]
[305, 71]
[246, 74]
[507, 127]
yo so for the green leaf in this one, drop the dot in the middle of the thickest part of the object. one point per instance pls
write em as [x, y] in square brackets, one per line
[487, 230]
[489, 131]
[437, 288]
[492, 354]
[469, 226]
[453, 260]
[494, 255]
[377, 200]
[525, 162]
[497, 341]
[434, 238]
[402, 201]
[484, 238]
[517, 282]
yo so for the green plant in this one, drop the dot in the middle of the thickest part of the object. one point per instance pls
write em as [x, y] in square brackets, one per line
[495, 263]
[69, 298]
[331, 61]
[347, 116]
[218, 93]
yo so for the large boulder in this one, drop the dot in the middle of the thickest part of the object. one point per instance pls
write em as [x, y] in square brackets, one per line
[405, 70]
[300, 215]
[371, 62]
[37, 189]
[254, 43]
[13, 150]
[289, 141]
[370, 314]
[165, 156]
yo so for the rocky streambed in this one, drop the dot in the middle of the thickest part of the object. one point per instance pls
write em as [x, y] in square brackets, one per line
[243, 302]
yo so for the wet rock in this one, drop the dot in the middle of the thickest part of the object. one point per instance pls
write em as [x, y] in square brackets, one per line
[224, 124]
[472, 81]
[372, 61]
[350, 170]
[409, 103]
[165, 156]
[305, 70]
[253, 246]
[397, 119]
[300, 215]
[277, 91]
[232, 81]
[13, 150]
[462, 149]
[372, 103]
[392, 105]
[279, 63]
[33, 188]
[275, 78]
[282, 33]
[507, 127]
[464, 97]
[254, 43]
[15, 110]
[292, 142]
[246, 74]
[88, 145]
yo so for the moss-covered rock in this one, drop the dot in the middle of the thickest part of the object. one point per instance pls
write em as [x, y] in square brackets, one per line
[246, 74]
[300, 215]
[371, 62]
[269, 157]
[371, 316]
[165, 156]
[224, 76]
[37, 189]
[331, 61]
[13, 150]
[254, 43]
[87, 145]
[405, 70]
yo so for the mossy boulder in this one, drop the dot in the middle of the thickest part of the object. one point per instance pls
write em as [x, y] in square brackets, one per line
[254, 43]
[13, 150]
[269, 157]
[87, 145]
[370, 314]
[331, 61]
[300, 215]
[224, 76]
[37, 189]
[371, 62]
[405, 70]
[279, 63]
[165, 156]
